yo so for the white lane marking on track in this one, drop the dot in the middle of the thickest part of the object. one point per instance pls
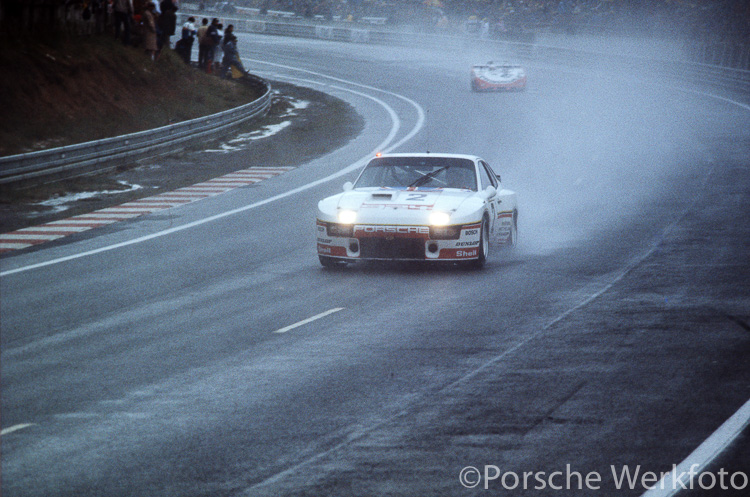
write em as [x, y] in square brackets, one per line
[95, 216]
[61, 229]
[364, 432]
[14, 246]
[203, 189]
[702, 456]
[73, 227]
[309, 320]
[741, 418]
[29, 236]
[124, 207]
[13, 428]
[710, 95]
[74, 223]
[384, 146]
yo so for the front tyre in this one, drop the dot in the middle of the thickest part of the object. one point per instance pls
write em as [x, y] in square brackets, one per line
[513, 237]
[484, 245]
[330, 262]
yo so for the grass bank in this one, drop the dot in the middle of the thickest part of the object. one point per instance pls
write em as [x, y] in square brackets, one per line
[62, 91]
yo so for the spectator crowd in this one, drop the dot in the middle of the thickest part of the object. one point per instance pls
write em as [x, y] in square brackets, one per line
[151, 24]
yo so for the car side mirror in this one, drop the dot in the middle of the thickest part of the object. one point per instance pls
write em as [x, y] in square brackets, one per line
[498, 178]
[348, 186]
[490, 191]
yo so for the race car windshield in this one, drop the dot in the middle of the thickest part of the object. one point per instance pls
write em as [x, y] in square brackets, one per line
[421, 172]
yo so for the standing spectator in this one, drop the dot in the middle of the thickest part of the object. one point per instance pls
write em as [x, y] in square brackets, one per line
[184, 46]
[123, 12]
[149, 31]
[231, 55]
[217, 45]
[202, 46]
[211, 40]
[228, 34]
[188, 29]
[167, 21]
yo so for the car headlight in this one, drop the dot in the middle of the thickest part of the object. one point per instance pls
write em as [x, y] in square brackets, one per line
[445, 232]
[347, 216]
[439, 218]
[339, 230]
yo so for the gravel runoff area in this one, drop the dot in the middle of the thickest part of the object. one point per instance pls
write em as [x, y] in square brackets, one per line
[284, 137]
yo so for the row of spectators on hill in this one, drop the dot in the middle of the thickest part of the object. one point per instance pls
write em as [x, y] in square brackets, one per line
[153, 23]
[696, 20]
[150, 25]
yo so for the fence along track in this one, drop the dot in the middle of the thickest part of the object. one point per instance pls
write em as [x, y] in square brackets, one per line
[101, 155]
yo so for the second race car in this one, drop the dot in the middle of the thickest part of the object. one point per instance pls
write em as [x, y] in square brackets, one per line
[498, 77]
[418, 207]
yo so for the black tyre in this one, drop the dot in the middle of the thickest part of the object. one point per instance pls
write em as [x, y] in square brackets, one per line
[330, 262]
[484, 245]
[513, 239]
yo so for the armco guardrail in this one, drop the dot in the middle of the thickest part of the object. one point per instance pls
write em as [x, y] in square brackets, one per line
[100, 155]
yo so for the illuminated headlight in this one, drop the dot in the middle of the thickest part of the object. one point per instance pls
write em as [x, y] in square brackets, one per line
[347, 217]
[439, 218]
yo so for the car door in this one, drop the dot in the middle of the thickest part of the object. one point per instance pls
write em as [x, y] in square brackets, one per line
[505, 203]
[487, 178]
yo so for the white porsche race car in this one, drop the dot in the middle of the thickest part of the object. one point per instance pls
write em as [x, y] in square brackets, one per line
[418, 207]
[497, 77]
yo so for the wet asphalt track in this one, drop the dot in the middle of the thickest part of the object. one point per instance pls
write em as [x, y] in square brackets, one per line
[615, 335]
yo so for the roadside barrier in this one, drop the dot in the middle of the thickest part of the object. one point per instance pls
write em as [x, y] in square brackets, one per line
[101, 155]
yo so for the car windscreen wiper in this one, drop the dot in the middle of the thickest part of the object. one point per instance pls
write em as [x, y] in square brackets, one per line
[423, 179]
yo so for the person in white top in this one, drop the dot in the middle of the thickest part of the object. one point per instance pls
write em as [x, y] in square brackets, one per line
[123, 12]
[184, 46]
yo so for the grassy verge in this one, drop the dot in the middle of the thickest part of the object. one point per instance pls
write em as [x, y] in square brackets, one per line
[322, 125]
[59, 92]
[65, 91]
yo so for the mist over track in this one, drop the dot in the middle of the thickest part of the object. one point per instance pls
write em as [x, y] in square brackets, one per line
[615, 335]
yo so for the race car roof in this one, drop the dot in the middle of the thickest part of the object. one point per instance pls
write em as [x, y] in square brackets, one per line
[431, 154]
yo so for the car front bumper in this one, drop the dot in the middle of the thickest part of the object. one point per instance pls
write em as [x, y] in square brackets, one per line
[398, 242]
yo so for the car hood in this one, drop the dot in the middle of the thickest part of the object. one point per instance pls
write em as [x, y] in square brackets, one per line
[497, 74]
[390, 205]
